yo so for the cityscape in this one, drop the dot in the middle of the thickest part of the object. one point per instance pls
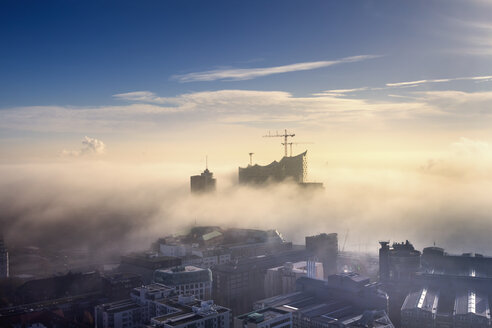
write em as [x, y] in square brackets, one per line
[246, 164]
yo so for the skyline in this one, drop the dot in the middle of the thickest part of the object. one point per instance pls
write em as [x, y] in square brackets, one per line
[136, 75]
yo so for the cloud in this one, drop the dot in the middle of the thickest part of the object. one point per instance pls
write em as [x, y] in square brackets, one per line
[89, 146]
[236, 74]
[420, 82]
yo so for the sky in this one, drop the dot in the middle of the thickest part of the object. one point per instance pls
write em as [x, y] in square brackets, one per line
[375, 90]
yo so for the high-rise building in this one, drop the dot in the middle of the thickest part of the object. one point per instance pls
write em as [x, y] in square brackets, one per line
[4, 259]
[205, 182]
[325, 248]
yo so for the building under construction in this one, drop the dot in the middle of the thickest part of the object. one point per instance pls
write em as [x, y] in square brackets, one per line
[293, 168]
[289, 168]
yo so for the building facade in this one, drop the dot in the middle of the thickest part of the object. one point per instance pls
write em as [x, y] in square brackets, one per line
[205, 182]
[324, 247]
[187, 280]
[282, 279]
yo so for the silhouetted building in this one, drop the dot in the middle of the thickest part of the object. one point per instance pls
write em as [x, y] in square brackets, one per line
[205, 182]
[4, 259]
[420, 309]
[116, 286]
[187, 280]
[293, 167]
[325, 248]
[399, 263]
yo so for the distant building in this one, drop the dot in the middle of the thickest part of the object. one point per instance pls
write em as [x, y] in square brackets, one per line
[4, 260]
[205, 182]
[264, 318]
[324, 247]
[293, 167]
[117, 286]
[187, 312]
[187, 280]
[282, 279]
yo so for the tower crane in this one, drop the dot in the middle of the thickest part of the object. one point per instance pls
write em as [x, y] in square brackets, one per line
[285, 136]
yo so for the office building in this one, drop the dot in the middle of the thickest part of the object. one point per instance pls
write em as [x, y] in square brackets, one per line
[282, 279]
[187, 280]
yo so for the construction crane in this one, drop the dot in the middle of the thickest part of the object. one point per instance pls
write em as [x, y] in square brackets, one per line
[297, 143]
[285, 136]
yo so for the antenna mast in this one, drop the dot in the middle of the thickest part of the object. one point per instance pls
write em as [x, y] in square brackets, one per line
[251, 158]
[285, 136]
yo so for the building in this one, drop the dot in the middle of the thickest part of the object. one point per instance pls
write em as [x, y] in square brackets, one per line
[471, 309]
[205, 182]
[187, 312]
[4, 259]
[345, 300]
[324, 247]
[144, 264]
[116, 286]
[238, 284]
[399, 263]
[289, 168]
[427, 308]
[135, 311]
[282, 279]
[264, 318]
[420, 309]
[187, 280]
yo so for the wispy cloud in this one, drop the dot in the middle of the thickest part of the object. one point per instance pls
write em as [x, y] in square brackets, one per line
[235, 74]
[89, 146]
[420, 82]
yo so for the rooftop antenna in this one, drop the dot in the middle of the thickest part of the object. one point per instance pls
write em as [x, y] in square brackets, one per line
[285, 136]
[251, 158]
[206, 162]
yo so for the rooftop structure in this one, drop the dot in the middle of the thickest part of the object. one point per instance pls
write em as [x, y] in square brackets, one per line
[264, 318]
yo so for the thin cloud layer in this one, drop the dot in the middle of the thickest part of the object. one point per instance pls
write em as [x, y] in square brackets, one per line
[237, 74]
[420, 82]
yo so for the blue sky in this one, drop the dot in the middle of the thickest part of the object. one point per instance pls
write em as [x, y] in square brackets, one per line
[81, 53]
[70, 69]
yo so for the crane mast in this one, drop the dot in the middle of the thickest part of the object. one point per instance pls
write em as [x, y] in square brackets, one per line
[285, 135]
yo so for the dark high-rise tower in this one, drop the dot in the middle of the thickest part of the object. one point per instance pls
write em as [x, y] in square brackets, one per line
[325, 248]
[204, 182]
